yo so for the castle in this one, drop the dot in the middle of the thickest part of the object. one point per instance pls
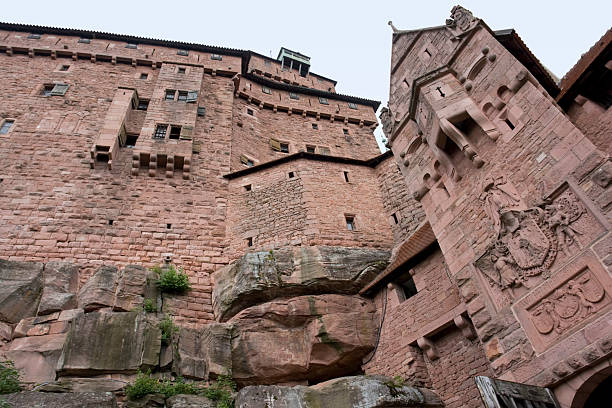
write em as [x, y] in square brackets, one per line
[472, 259]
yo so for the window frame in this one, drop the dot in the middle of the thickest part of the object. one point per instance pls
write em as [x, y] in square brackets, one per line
[168, 91]
[182, 52]
[350, 223]
[10, 127]
[181, 70]
[294, 96]
[182, 96]
[216, 57]
[323, 101]
[157, 132]
[266, 90]
[142, 102]
[131, 46]
[175, 132]
[352, 105]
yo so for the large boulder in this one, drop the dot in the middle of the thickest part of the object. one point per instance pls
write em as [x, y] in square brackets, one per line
[304, 338]
[32, 399]
[346, 392]
[122, 290]
[87, 384]
[61, 285]
[110, 343]
[205, 351]
[36, 357]
[21, 285]
[259, 277]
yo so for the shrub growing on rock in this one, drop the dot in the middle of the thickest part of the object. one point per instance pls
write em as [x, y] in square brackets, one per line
[172, 281]
[148, 306]
[168, 328]
[9, 378]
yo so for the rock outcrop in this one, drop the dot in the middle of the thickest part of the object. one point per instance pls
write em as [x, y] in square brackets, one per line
[263, 276]
[202, 352]
[304, 338]
[21, 285]
[110, 343]
[60, 287]
[345, 392]
[189, 401]
[32, 399]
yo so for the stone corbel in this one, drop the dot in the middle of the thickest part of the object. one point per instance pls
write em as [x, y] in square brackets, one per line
[428, 348]
[53, 54]
[31, 52]
[420, 192]
[152, 165]
[135, 164]
[170, 167]
[466, 328]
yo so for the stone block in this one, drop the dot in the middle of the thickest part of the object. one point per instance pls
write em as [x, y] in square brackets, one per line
[62, 400]
[21, 285]
[205, 351]
[60, 288]
[36, 357]
[189, 401]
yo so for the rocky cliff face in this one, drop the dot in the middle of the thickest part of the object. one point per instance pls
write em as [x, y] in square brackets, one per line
[285, 317]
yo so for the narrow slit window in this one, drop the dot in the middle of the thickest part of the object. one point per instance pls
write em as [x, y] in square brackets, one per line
[110, 222]
[250, 112]
[249, 241]
[170, 94]
[168, 226]
[247, 187]
[346, 177]
[509, 123]
[315, 126]
[350, 222]
[291, 174]
[160, 132]
[394, 216]
[6, 126]
[293, 95]
[175, 132]
[64, 68]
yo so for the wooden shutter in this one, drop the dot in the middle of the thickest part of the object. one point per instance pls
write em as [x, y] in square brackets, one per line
[244, 159]
[192, 96]
[196, 147]
[59, 89]
[186, 132]
[275, 145]
[501, 394]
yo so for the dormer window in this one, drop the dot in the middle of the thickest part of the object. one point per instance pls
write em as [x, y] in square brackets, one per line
[84, 41]
[352, 105]
[182, 52]
[266, 90]
[323, 101]
[131, 46]
[216, 57]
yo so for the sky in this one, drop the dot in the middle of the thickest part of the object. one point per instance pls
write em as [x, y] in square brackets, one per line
[349, 41]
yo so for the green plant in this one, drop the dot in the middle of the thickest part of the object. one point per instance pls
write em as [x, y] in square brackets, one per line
[9, 378]
[5, 404]
[172, 281]
[221, 391]
[149, 306]
[144, 384]
[169, 388]
[168, 328]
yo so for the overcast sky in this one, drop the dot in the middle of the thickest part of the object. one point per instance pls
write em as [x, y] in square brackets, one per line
[348, 41]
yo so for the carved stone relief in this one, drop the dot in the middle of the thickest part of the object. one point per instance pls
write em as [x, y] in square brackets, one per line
[388, 122]
[530, 241]
[565, 303]
[461, 20]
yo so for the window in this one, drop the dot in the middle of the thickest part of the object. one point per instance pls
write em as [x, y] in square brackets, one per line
[46, 90]
[323, 101]
[130, 140]
[352, 105]
[216, 57]
[168, 226]
[170, 94]
[182, 52]
[54, 89]
[64, 68]
[247, 187]
[310, 149]
[201, 111]
[182, 96]
[6, 126]
[346, 178]
[345, 131]
[143, 104]
[291, 174]
[84, 40]
[175, 132]
[406, 282]
[315, 126]
[250, 112]
[34, 36]
[266, 90]
[144, 75]
[181, 70]
[246, 161]
[324, 150]
[160, 132]
[110, 222]
[249, 241]
[131, 46]
[192, 96]
[293, 95]
[394, 216]
[350, 222]
[284, 147]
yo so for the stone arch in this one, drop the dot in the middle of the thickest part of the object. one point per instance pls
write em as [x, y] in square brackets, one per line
[476, 68]
[414, 145]
[589, 385]
[575, 392]
[488, 109]
[504, 93]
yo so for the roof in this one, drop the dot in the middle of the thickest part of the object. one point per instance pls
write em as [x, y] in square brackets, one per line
[578, 71]
[373, 162]
[245, 54]
[311, 91]
[515, 45]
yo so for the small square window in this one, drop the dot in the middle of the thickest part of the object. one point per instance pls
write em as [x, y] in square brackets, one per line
[250, 163]
[315, 126]
[64, 68]
[170, 94]
[201, 111]
[6, 126]
[250, 112]
[284, 147]
[293, 95]
[84, 40]
[350, 222]
[352, 105]
[181, 70]
[47, 89]
[144, 75]
[130, 140]
[182, 96]
[247, 187]
[143, 104]
[175, 132]
[291, 174]
[131, 46]
[345, 131]
[216, 57]
[34, 36]
[160, 132]
[310, 149]
[249, 241]
[182, 52]
[266, 90]
[323, 101]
